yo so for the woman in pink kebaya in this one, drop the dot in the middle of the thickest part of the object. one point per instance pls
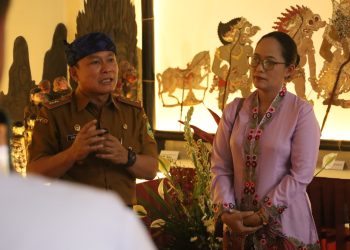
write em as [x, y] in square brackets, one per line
[263, 160]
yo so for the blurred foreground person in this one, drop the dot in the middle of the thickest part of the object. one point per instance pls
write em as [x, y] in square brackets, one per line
[38, 215]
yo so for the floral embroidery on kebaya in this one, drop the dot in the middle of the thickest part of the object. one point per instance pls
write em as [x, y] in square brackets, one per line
[253, 137]
[269, 236]
[258, 132]
[222, 207]
[263, 241]
[283, 91]
[277, 240]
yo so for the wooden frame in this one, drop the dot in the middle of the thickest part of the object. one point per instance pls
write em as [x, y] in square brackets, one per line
[162, 136]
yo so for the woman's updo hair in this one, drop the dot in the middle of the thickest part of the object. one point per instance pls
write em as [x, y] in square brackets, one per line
[289, 48]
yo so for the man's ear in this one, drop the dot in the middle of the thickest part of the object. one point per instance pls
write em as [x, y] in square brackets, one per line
[73, 73]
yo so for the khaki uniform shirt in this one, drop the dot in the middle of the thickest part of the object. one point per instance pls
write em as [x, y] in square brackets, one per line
[58, 124]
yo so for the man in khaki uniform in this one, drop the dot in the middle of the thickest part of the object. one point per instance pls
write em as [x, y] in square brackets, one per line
[91, 136]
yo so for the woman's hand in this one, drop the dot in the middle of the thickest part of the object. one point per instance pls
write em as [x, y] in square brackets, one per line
[257, 219]
[252, 220]
[235, 222]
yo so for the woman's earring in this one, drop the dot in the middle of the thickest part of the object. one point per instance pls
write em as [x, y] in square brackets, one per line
[287, 78]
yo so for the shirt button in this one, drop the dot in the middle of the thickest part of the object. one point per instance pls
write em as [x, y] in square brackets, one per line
[77, 127]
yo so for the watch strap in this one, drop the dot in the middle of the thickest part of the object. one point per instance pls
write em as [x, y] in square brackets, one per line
[131, 158]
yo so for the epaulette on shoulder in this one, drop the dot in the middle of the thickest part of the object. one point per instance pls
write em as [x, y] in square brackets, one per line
[58, 102]
[122, 99]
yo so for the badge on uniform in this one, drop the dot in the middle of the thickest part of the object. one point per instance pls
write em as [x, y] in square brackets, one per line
[77, 127]
[42, 120]
[71, 137]
[149, 130]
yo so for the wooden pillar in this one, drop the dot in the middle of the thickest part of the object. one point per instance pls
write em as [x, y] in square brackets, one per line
[148, 60]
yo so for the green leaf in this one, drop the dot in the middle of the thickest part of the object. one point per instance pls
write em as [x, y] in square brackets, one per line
[164, 165]
[161, 189]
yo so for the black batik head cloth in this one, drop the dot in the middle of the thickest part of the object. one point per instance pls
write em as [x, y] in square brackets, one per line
[87, 45]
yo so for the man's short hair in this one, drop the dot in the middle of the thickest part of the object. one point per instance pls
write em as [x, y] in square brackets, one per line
[87, 45]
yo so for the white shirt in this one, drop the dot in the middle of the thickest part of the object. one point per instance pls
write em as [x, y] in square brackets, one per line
[36, 215]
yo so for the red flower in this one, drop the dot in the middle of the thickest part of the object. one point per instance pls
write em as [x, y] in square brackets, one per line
[263, 241]
[280, 210]
[282, 93]
[254, 164]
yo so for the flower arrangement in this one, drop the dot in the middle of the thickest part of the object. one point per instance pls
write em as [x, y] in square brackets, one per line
[184, 217]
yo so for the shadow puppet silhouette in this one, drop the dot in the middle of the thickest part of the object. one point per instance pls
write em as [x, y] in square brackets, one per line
[20, 82]
[55, 62]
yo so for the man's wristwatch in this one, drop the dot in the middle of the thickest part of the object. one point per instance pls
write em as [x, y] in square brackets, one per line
[131, 158]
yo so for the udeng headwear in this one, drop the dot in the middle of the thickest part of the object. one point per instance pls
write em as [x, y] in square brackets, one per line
[87, 45]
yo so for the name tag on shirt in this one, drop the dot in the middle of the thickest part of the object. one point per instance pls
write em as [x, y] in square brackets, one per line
[71, 137]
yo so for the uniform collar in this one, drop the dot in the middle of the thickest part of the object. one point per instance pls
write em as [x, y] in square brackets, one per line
[114, 101]
[82, 100]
